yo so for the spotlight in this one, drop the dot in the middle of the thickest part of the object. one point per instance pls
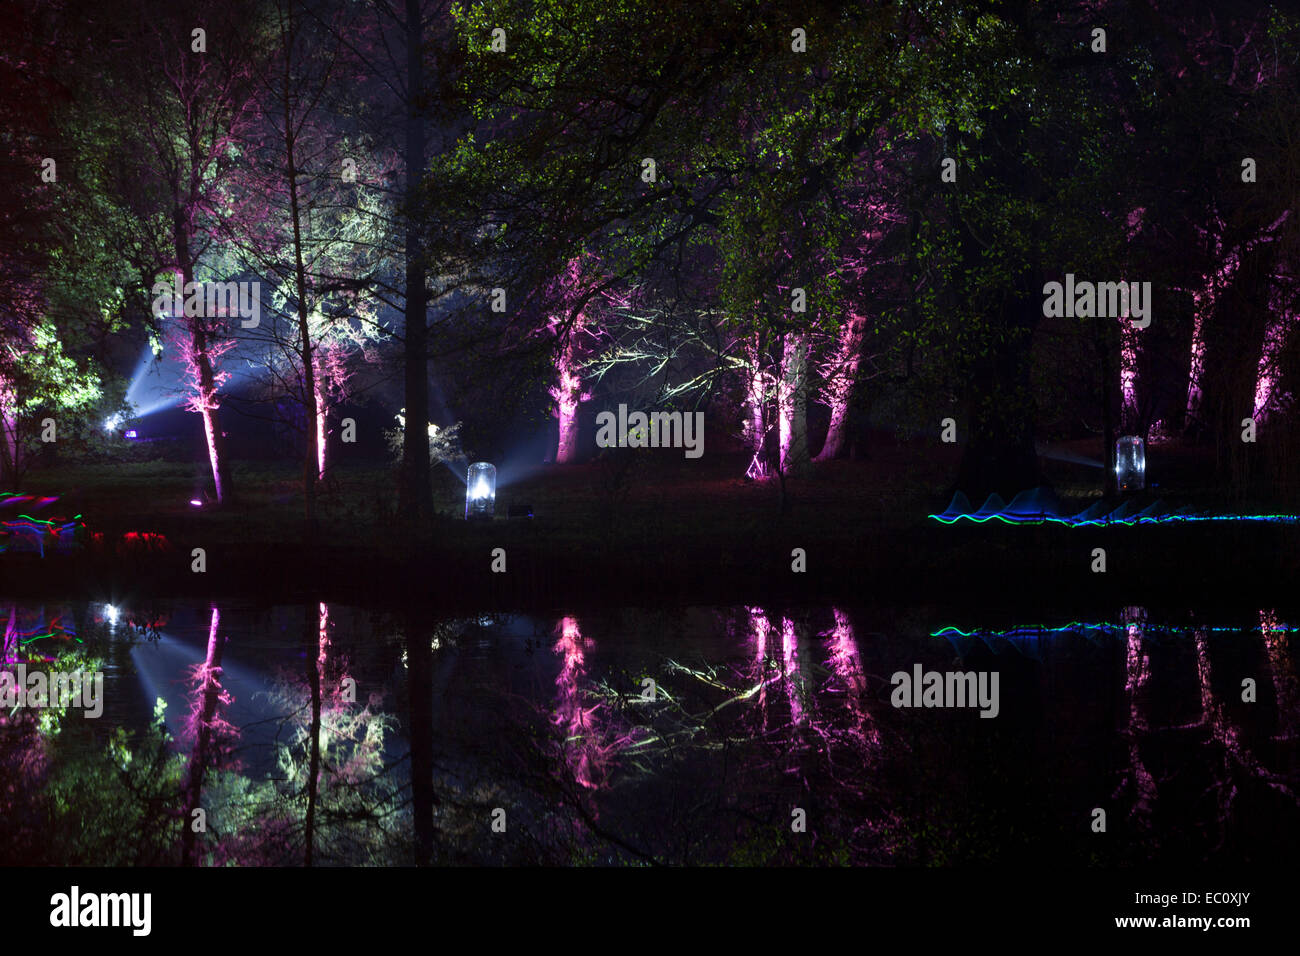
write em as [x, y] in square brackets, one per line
[196, 502]
[480, 490]
[110, 613]
[1130, 463]
[112, 422]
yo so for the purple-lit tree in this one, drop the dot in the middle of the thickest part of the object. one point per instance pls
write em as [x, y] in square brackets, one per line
[200, 356]
[210, 735]
[573, 336]
[307, 217]
[1225, 258]
[191, 99]
[1270, 396]
[840, 376]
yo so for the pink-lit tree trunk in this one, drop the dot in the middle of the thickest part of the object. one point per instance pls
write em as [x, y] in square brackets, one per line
[568, 396]
[1286, 688]
[205, 726]
[1202, 306]
[841, 377]
[331, 383]
[212, 437]
[760, 627]
[845, 663]
[1281, 322]
[187, 114]
[796, 688]
[10, 441]
[567, 390]
[792, 400]
[754, 427]
[1137, 675]
[1205, 299]
[320, 429]
[206, 402]
[199, 355]
[1129, 350]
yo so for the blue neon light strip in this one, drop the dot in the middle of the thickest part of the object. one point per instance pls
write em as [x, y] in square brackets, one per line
[1101, 522]
[1105, 628]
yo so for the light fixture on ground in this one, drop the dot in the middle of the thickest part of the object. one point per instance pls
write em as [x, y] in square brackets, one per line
[480, 490]
[1130, 463]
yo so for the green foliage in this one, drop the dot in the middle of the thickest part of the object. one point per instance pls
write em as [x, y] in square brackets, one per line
[135, 779]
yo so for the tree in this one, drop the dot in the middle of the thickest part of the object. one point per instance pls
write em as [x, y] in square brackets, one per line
[189, 96]
[308, 218]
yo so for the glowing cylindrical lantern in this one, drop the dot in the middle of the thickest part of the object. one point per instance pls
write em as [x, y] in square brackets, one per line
[480, 490]
[1130, 463]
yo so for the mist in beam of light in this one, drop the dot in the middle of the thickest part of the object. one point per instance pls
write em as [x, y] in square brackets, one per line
[1057, 454]
[457, 466]
[154, 385]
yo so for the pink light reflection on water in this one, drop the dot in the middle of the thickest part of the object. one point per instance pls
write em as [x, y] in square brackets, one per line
[846, 665]
[589, 748]
[791, 678]
[1137, 674]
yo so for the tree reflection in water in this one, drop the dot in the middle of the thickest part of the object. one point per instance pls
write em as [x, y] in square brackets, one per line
[754, 715]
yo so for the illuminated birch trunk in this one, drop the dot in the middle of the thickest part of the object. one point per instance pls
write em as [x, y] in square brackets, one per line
[792, 398]
[1281, 322]
[754, 425]
[203, 727]
[568, 396]
[840, 380]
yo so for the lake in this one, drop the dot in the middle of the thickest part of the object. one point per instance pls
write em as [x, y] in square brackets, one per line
[864, 735]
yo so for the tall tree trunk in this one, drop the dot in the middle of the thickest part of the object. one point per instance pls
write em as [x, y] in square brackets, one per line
[1205, 301]
[207, 381]
[321, 426]
[754, 426]
[10, 442]
[568, 397]
[419, 676]
[1202, 307]
[1129, 351]
[416, 492]
[1278, 330]
[315, 664]
[792, 396]
[201, 756]
[310, 467]
[841, 383]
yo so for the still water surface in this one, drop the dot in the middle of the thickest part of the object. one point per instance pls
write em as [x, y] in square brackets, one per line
[695, 735]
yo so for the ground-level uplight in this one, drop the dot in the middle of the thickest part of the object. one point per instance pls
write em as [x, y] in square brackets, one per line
[480, 490]
[1130, 463]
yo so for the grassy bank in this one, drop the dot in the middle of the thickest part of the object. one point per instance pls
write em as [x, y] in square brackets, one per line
[637, 529]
